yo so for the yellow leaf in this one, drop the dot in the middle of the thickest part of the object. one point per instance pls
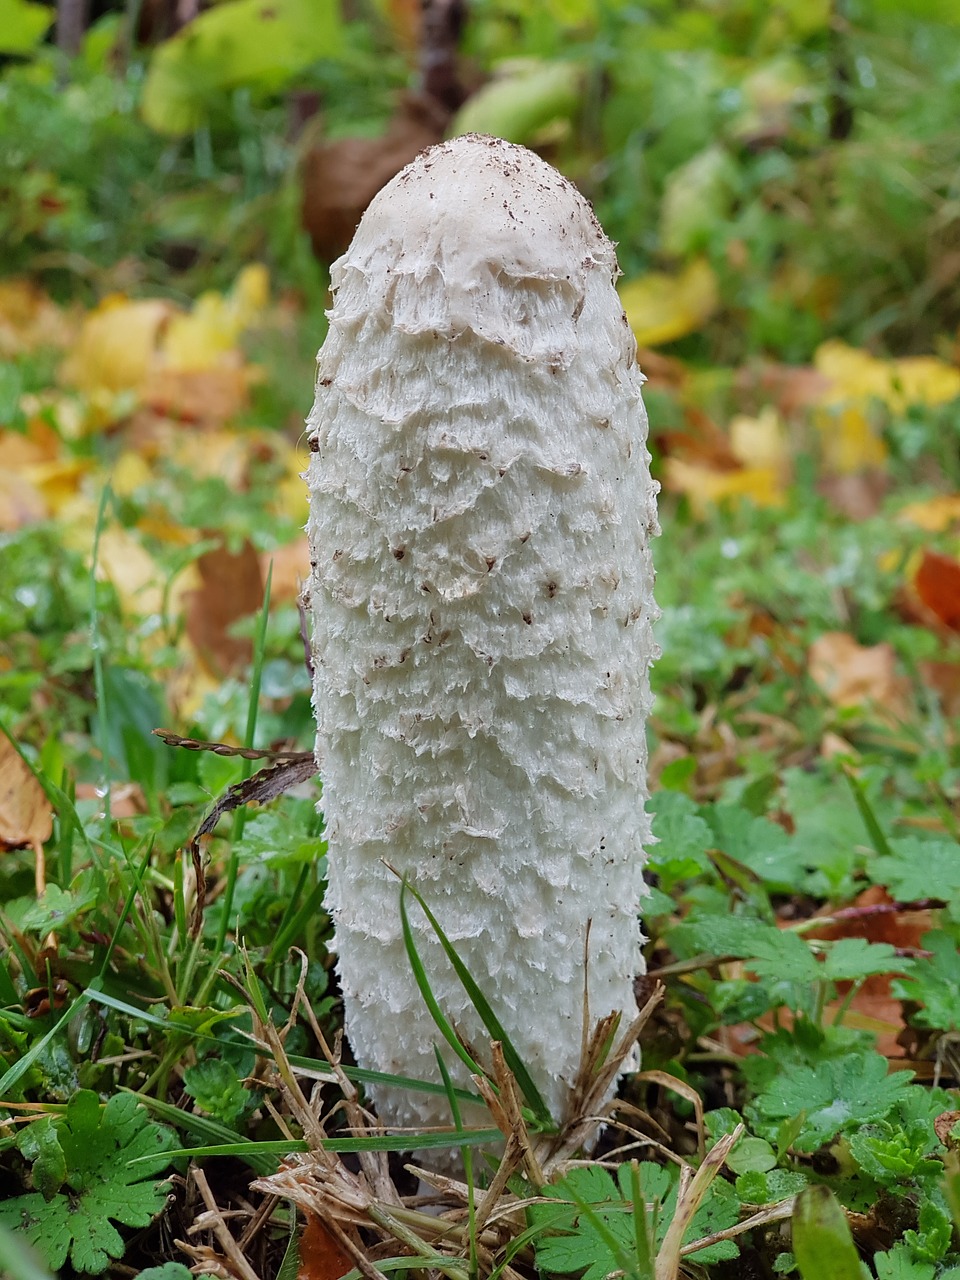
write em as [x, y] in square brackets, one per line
[58, 481]
[138, 578]
[290, 495]
[29, 319]
[856, 375]
[926, 380]
[704, 486]
[130, 473]
[116, 345]
[223, 454]
[662, 308]
[849, 440]
[760, 441]
[199, 340]
[935, 515]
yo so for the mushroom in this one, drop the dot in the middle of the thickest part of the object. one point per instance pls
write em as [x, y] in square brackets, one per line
[482, 605]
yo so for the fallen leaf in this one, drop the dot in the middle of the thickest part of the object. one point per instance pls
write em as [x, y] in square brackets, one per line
[58, 481]
[20, 449]
[182, 365]
[204, 396]
[525, 96]
[856, 494]
[116, 345]
[856, 675]
[340, 178]
[21, 503]
[701, 441]
[135, 574]
[662, 308]
[704, 486]
[30, 319]
[291, 568]
[849, 440]
[870, 916]
[665, 373]
[937, 583]
[230, 589]
[833, 746]
[769, 95]
[322, 1257]
[789, 387]
[854, 374]
[130, 473]
[213, 326]
[925, 380]
[126, 798]
[944, 679]
[25, 816]
[934, 515]
[760, 441]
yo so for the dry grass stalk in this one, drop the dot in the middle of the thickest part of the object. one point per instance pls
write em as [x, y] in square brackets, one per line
[364, 1210]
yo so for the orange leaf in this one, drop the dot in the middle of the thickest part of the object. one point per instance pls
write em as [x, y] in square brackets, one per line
[291, 568]
[937, 583]
[935, 515]
[321, 1256]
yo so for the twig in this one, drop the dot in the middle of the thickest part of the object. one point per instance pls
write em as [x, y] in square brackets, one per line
[230, 1247]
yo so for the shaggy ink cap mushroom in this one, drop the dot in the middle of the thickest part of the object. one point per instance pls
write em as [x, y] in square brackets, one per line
[482, 603]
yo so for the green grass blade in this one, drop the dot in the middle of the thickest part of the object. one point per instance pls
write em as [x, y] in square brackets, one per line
[489, 1019]
[822, 1243]
[379, 1142]
[879, 841]
[429, 999]
[99, 684]
[19, 1069]
[211, 1131]
[135, 888]
[179, 900]
[18, 1261]
[357, 1074]
[295, 918]
[451, 1267]
[361, 1075]
[289, 1268]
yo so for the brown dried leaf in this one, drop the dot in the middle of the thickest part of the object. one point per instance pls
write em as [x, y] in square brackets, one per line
[341, 178]
[858, 495]
[231, 588]
[25, 817]
[206, 397]
[944, 679]
[855, 675]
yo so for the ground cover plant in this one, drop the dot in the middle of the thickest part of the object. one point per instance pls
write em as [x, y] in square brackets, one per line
[782, 185]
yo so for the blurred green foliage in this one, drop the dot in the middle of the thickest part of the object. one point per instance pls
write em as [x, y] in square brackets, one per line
[799, 146]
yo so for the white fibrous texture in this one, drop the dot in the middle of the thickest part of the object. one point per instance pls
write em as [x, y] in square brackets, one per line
[482, 602]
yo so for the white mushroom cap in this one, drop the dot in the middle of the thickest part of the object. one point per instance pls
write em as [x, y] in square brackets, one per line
[480, 213]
